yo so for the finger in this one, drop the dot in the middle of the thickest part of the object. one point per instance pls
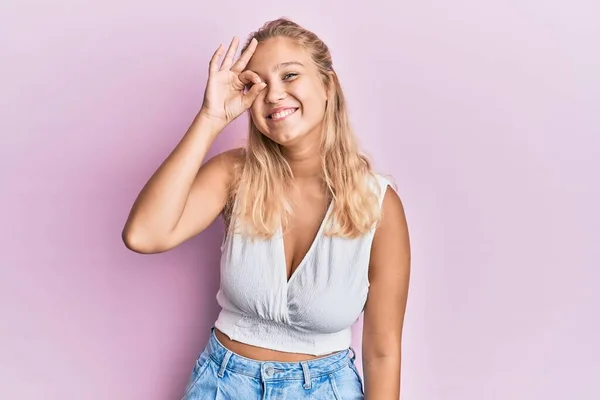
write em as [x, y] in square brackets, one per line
[241, 63]
[253, 93]
[248, 77]
[213, 65]
[228, 60]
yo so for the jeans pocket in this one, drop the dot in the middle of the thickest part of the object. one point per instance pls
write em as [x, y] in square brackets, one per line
[360, 379]
[346, 384]
[200, 367]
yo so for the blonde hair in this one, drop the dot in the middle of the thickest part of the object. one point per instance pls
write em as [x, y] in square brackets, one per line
[263, 177]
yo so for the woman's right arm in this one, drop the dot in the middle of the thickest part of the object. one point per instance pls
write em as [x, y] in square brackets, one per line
[183, 197]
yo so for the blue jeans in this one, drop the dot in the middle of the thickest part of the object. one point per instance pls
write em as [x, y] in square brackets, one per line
[221, 374]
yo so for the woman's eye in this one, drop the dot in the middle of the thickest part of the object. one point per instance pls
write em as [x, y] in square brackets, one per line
[290, 75]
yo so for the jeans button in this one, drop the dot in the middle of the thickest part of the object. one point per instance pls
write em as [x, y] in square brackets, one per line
[269, 370]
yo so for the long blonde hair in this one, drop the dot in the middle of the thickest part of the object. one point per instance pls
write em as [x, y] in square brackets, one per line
[263, 178]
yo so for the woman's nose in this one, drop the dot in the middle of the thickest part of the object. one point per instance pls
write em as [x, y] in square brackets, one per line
[275, 93]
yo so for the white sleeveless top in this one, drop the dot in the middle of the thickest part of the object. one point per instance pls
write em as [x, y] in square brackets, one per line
[313, 312]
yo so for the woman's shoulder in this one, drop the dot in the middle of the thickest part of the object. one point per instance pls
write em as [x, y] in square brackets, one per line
[385, 179]
[381, 182]
[229, 163]
[233, 157]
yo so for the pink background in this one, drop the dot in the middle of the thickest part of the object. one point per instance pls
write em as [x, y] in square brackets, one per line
[486, 114]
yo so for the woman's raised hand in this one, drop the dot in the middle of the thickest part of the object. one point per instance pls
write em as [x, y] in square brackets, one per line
[225, 98]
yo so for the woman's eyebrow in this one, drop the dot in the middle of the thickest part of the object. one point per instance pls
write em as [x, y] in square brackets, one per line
[281, 65]
[287, 64]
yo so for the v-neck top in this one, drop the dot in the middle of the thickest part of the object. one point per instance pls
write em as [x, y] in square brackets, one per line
[312, 312]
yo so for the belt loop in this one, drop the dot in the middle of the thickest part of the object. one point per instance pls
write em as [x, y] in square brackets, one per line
[307, 379]
[353, 354]
[224, 363]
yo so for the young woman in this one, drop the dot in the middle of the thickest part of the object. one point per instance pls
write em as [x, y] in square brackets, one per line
[314, 237]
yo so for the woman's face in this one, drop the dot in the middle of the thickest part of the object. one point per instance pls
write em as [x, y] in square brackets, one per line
[292, 106]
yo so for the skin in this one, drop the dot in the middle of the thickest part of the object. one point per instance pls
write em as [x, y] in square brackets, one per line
[292, 81]
[184, 196]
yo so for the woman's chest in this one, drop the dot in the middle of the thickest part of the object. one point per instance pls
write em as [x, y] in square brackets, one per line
[327, 290]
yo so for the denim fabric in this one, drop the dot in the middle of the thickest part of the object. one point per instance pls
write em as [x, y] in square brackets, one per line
[223, 375]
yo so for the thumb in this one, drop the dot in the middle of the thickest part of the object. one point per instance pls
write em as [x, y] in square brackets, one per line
[253, 93]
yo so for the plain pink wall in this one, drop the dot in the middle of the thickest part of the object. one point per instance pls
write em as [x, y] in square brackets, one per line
[486, 114]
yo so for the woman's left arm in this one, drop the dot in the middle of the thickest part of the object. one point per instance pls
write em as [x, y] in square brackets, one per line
[389, 273]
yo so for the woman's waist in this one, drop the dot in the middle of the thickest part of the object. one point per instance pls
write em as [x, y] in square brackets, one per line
[254, 364]
[258, 353]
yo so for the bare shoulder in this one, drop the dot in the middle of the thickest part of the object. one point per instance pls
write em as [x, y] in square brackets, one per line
[392, 208]
[236, 155]
[228, 160]
[391, 240]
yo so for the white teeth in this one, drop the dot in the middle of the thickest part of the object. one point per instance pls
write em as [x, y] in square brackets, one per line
[282, 114]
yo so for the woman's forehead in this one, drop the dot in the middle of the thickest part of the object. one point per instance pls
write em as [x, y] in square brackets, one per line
[276, 53]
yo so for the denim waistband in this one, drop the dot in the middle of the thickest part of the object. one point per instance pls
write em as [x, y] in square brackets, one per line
[275, 370]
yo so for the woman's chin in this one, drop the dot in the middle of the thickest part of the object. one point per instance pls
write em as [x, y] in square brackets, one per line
[283, 138]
